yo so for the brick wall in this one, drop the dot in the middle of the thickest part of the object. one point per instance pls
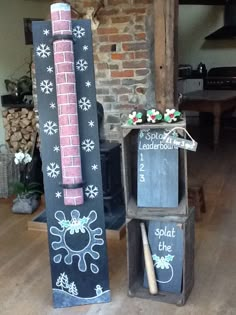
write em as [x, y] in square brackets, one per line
[123, 47]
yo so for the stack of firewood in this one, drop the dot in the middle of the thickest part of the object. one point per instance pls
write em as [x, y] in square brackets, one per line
[20, 129]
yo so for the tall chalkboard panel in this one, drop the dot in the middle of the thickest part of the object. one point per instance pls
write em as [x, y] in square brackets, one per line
[77, 240]
[166, 244]
[158, 171]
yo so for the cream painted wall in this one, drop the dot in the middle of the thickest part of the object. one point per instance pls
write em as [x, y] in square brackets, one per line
[195, 22]
[14, 54]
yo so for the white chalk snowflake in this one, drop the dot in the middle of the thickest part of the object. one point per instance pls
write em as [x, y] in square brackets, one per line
[56, 148]
[84, 103]
[81, 65]
[53, 170]
[91, 123]
[94, 167]
[79, 31]
[88, 145]
[52, 105]
[50, 69]
[85, 47]
[46, 86]
[43, 51]
[46, 32]
[88, 84]
[50, 128]
[91, 191]
[58, 194]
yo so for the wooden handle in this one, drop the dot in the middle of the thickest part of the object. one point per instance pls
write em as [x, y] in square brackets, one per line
[151, 277]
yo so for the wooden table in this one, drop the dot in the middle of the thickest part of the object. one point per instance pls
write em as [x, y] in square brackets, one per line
[210, 101]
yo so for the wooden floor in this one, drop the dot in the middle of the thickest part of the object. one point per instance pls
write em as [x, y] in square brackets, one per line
[25, 287]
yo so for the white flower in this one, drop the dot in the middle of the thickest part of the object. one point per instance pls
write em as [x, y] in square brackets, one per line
[19, 156]
[27, 158]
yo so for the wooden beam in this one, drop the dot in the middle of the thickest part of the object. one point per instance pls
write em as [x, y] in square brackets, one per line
[165, 39]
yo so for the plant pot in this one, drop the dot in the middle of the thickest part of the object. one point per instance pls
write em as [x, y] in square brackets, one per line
[23, 204]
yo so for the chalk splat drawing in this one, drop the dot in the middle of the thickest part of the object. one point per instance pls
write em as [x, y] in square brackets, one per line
[77, 238]
[164, 263]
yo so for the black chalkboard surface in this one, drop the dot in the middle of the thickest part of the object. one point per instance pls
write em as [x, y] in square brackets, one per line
[158, 178]
[77, 240]
[166, 244]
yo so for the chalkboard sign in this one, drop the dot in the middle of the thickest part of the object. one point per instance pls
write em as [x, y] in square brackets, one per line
[77, 241]
[166, 244]
[158, 178]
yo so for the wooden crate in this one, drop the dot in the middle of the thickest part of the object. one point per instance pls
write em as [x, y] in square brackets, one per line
[129, 157]
[136, 262]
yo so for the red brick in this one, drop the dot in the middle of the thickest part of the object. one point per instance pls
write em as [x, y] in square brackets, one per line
[64, 67]
[134, 46]
[135, 11]
[134, 64]
[122, 56]
[117, 2]
[113, 67]
[103, 38]
[55, 15]
[63, 120]
[105, 48]
[70, 193]
[68, 109]
[59, 57]
[76, 160]
[72, 98]
[107, 30]
[73, 119]
[66, 88]
[120, 38]
[70, 77]
[61, 27]
[71, 171]
[108, 12]
[122, 74]
[142, 72]
[143, 1]
[65, 15]
[75, 139]
[61, 78]
[142, 55]
[121, 90]
[67, 161]
[69, 56]
[70, 151]
[66, 45]
[64, 141]
[140, 36]
[120, 19]
[102, 66]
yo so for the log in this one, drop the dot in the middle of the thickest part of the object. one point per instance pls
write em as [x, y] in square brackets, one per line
[16, 136]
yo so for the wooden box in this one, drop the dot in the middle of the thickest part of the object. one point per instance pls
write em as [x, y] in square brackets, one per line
[136, 261]
[129, 158]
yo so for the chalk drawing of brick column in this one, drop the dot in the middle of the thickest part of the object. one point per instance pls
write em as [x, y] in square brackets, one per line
[67, 104]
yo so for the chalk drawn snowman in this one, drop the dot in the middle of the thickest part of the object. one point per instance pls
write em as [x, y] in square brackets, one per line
[164, 264]
[98, 290]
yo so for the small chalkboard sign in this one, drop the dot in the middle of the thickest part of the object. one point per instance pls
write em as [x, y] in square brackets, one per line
[166, 244]
[158, 178]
